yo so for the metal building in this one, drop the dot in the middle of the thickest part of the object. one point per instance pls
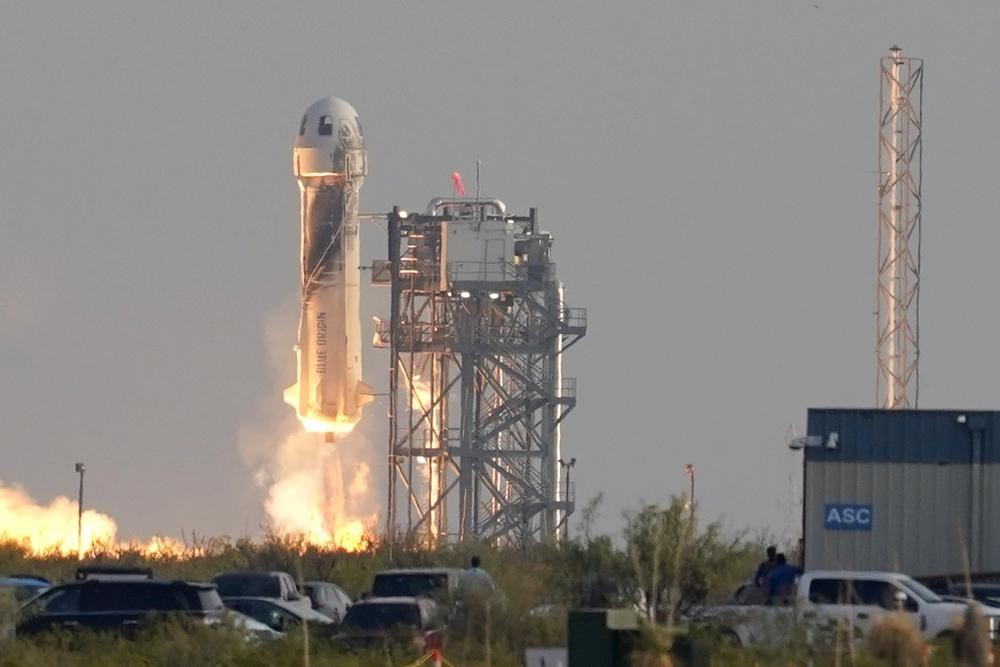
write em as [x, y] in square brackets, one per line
[477, 329]
[903, 490]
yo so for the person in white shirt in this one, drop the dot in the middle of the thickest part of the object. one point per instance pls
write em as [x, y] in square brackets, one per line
[476, 591]
[476, 584]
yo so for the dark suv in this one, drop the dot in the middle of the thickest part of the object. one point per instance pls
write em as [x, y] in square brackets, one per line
[117, 605]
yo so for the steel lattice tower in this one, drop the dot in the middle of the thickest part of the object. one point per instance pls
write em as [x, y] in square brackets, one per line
[476, 334]
[899, 169]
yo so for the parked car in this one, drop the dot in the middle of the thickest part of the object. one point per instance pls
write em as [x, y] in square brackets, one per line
[21, 588]
[279, 615]
[985, 594]
[439, 583]
[256, 584]
[15, 591]
[328, 599]
[251, 627]
[376, 620]
[823, 596]
[118, 605]
[115, 573]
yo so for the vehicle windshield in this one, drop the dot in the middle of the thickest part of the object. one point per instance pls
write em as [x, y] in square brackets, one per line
[54, 601]
[409, 584]
[381, 616]
[921, 591]
[23, 593]
[210, 599]
[248, 585]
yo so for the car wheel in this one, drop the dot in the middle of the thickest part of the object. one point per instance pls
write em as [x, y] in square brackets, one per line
[728, 637]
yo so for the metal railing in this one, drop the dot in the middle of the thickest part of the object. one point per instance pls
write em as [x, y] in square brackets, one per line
[575, 317]
[499, 271]
[567, 388]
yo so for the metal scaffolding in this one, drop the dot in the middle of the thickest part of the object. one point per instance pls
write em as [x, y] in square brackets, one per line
[898, 289]
[476, 333]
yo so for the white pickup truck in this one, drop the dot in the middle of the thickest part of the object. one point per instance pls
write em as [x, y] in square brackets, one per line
[822, 598]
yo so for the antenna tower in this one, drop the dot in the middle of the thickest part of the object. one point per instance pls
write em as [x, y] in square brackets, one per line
[898, 289]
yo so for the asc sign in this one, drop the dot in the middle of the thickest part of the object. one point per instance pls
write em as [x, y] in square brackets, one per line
[841, 516]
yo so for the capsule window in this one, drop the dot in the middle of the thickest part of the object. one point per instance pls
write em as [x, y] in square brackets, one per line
[326, 125]
[302, 125]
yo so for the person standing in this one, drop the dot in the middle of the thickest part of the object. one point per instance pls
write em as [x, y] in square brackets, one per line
[760, 577]
[475, 591]
[781, 580]
[475, 581]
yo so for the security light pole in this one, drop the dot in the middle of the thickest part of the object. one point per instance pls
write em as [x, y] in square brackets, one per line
[567, 466]
[80, 468]
[689, 471]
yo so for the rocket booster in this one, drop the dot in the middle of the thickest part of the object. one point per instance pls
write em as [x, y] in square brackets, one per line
[330, 164]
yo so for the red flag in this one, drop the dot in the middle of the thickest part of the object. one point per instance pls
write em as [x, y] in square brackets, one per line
[456, 179]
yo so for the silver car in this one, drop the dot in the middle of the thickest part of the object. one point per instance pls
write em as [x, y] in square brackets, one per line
[328, 599]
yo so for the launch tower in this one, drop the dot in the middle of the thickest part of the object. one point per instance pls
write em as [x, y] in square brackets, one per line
[476, 333]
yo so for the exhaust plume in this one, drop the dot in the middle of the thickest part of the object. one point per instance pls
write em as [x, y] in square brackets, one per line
[312, 488]
[52, 527]
[307, 495]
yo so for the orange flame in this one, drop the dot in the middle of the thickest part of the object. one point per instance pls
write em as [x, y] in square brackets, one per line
[307, 495]
[430, 468]
[52, 528]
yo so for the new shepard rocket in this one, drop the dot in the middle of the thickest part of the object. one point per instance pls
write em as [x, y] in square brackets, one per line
[330, 163]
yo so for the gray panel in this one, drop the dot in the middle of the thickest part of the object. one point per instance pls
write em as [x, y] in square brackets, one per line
[923, 517]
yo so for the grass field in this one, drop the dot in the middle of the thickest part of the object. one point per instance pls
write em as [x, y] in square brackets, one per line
[702, 567]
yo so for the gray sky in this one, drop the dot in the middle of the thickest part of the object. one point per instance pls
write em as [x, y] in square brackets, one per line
[706, 168]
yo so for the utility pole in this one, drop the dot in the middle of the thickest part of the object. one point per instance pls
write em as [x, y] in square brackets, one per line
[567, 466]
[80, 468]
[689, 471]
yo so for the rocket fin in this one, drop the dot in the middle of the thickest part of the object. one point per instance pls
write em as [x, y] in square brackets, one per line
[366, 394]
[291, 396]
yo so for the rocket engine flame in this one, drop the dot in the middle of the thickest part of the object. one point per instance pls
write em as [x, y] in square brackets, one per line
[307, 495]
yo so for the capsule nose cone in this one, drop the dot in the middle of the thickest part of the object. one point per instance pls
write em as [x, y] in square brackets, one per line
[330, 141]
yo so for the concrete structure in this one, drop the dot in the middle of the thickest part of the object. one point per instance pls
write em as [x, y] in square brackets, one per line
[476, 333]
[912, 491]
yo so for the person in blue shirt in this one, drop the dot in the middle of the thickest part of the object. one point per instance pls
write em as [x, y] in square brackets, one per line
[781, 580]
[760, 577]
